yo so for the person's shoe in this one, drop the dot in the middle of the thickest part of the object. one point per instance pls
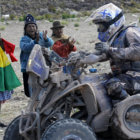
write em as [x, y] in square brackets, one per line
[2, 125]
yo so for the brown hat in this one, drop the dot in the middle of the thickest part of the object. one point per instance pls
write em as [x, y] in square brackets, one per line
[57, 24]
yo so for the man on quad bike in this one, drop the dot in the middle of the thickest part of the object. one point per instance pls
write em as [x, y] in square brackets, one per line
[120, 45]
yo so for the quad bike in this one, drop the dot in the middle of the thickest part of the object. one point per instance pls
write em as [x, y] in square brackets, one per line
[68, 103]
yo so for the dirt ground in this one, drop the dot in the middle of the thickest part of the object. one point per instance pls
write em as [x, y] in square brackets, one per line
[85, 34]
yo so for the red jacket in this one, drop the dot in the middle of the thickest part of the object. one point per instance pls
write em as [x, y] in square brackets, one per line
[62, 50]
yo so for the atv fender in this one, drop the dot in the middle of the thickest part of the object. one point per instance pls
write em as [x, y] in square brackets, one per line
[86, 91]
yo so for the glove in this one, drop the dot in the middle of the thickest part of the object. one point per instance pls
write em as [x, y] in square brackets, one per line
[90, 59]
[102, 47]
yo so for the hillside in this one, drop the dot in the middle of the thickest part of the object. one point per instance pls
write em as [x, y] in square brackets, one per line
[41, 7]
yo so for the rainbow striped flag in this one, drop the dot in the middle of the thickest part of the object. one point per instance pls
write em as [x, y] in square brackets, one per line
[8, 78]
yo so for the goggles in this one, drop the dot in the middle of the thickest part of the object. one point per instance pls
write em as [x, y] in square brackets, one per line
[101, 27]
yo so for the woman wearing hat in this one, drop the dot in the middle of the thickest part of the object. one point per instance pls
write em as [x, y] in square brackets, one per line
[27, 42]
[62, 44]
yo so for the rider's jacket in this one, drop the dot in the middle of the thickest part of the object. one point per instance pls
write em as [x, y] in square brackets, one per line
[125, 55]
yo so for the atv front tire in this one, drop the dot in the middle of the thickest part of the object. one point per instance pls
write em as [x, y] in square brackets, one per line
[12, 131]
[68, 129]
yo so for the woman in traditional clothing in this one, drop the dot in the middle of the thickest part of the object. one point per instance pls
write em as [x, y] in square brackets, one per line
[8, 78]
[63, 46]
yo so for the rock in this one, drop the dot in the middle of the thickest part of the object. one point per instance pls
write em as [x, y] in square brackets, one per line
[43, 11]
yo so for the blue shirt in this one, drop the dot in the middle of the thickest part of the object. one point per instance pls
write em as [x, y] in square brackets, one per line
[26, 46]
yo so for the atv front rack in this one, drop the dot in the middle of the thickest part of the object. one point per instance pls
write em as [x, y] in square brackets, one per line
[30, 122]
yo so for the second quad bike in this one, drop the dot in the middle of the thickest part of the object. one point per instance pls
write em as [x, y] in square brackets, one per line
[68, 103]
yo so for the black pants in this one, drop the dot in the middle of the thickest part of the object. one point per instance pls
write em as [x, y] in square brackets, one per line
[26, 86]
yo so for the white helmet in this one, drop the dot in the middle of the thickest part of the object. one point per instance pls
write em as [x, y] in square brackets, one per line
[111, 19]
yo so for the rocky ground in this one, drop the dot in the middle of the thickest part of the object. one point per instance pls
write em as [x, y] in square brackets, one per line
[42, 7]
[85, 35]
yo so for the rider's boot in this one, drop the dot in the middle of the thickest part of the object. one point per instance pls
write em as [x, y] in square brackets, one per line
[123, 94]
